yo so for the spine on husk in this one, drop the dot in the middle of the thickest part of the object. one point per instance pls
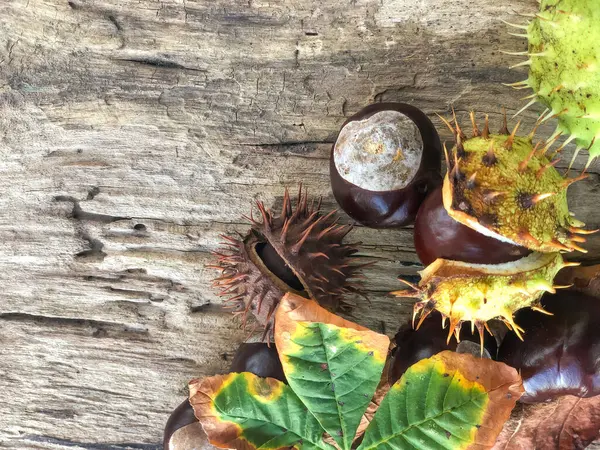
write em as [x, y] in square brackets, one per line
[311, 258]
[506, 187]
[563, 56]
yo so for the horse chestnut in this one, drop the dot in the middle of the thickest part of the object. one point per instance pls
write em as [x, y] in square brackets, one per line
[437, 235]
[258, 358]
[561, 353]
[384, 161]
[430, 339]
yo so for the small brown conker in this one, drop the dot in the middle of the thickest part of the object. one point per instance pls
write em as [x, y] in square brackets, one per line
[560, 354]
[386, 158]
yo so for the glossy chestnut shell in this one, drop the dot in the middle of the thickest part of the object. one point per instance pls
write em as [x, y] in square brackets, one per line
[437, 235]
[258, 358]
[380, 137]
[430, 339]
[560, 354]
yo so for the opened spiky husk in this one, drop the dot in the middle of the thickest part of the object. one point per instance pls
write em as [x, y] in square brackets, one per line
[308, 243]
[504, 186]
[476, 293]
[563, 60]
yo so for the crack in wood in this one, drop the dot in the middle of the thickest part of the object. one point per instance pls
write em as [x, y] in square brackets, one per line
[65, 322]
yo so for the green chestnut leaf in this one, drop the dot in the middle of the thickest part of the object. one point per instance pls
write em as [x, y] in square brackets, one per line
[334, 369]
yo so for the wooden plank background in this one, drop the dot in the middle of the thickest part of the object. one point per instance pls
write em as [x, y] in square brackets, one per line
[135, 131]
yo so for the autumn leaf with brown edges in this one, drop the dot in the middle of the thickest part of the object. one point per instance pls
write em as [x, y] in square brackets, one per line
[336, 393]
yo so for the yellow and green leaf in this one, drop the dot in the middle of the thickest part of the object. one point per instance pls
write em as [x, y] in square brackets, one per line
[246, 412]
[450, 401]
[334, 366]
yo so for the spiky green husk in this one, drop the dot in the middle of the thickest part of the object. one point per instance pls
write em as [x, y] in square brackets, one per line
[564, 67]
[476, 293]
[506, 187]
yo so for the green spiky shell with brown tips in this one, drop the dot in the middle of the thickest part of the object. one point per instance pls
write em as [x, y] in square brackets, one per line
[564, 67]
[464, 292]
[299, 250]
[504, 186]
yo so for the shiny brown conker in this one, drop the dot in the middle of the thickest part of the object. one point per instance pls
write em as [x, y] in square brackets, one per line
[437, 235]
[560, 354]
[386, 158]
[258, 358]
[414, 345]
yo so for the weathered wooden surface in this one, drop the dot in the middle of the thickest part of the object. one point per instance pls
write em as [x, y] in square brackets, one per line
[134, 132]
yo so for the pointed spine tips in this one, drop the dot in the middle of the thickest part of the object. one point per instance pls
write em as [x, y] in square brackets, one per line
[489, 159]
[526, 107]
[521, 64]
[424, 313]
[472, 181]
[523, 164]
[418, 306]
[541, 310]
[570, 181]
[582, 231]
[572, 246]
[510, 323]
[527, 201]
[510, 140]
[476, 132]
[446, 156]
[490, 196]
[459, 132]
[448, 124]
[486, 128]
[460, 149]
[545, 167]
[455, 326]
[539, 197]
[504, 129]
[480, 329]
[514, 25]
[526, 236]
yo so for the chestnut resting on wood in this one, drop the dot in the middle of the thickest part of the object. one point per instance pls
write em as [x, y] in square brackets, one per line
[561, 353]
[258, 358]
[387, 157]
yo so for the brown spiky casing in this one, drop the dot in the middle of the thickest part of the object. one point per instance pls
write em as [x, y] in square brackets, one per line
[308, 242]
[505, 186]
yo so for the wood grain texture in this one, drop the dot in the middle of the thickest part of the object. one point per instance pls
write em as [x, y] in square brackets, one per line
[133, 132]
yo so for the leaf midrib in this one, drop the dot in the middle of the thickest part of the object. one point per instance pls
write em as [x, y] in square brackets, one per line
[287, 430]
[335, 394]
[428, 419]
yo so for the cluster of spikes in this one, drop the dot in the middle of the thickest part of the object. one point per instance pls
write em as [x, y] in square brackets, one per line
[562, 58]
[504, 186]
[299, 250]
[463, 292]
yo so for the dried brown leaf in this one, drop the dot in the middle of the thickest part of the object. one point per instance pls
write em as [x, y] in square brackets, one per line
[568, 423]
